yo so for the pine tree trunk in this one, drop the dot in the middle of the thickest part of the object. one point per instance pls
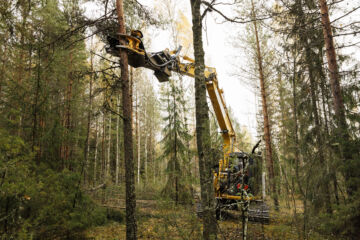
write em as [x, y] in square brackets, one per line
[203, 128]
[312, 71]
[267, 132]
[339, 108]
[131, 227]
[332, 64]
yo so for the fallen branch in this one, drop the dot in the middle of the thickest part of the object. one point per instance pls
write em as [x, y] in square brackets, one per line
[103, 186]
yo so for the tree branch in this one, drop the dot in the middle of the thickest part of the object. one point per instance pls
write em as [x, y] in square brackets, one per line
[233, 20]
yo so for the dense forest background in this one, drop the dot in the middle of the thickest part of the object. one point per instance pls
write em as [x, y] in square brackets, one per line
[62, 167]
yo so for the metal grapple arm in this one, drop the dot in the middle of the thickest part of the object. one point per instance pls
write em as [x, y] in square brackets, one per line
[165, 62]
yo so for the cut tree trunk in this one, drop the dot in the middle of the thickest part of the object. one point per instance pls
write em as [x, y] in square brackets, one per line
[131, 226]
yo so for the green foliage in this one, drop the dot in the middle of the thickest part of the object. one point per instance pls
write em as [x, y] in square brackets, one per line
[177, 222]
[114, 215]
[312, 153]
[54, 213]
[244, 139]
[176, 146]
[40, 202]
[256, 170]
[15, 181]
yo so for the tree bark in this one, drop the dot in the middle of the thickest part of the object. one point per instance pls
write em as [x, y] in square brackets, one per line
[35, 142]
[203, 128]
[175, 170]
[131, 226]
[96, 149]
[108, 160]
[138, 148]
[103, 148]
[67, 145]
[117, 142]
[313, 71]
[332, 64]
[87, 141]
[267, 132]
[339, 107]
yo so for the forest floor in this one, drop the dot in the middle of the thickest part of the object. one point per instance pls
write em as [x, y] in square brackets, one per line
[162, 220]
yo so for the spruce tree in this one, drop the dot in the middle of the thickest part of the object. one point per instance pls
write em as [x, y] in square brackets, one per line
[174, 146]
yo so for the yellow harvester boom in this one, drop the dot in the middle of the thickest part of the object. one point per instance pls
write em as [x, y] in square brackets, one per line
[165, 62]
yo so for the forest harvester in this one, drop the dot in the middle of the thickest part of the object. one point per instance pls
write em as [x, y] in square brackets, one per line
[236, 176]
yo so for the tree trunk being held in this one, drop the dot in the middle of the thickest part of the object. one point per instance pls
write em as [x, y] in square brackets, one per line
[203, 128]
[131, 227]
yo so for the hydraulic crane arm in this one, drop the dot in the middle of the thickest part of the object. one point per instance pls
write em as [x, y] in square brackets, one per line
[165, 62]
[218, 103]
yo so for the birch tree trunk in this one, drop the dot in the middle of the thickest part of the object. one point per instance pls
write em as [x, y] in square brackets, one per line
[131, 226]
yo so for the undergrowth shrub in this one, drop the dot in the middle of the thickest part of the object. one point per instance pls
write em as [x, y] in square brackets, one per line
[37, 202]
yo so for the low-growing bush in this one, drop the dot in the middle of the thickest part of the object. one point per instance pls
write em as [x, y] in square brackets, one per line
[37, 202]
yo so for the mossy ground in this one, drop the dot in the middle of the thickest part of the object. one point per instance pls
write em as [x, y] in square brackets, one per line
[164, 221]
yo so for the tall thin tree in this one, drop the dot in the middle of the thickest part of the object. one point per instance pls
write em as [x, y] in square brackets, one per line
[339, 107]
[203, 127]
[131, 226]
[267, 132]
